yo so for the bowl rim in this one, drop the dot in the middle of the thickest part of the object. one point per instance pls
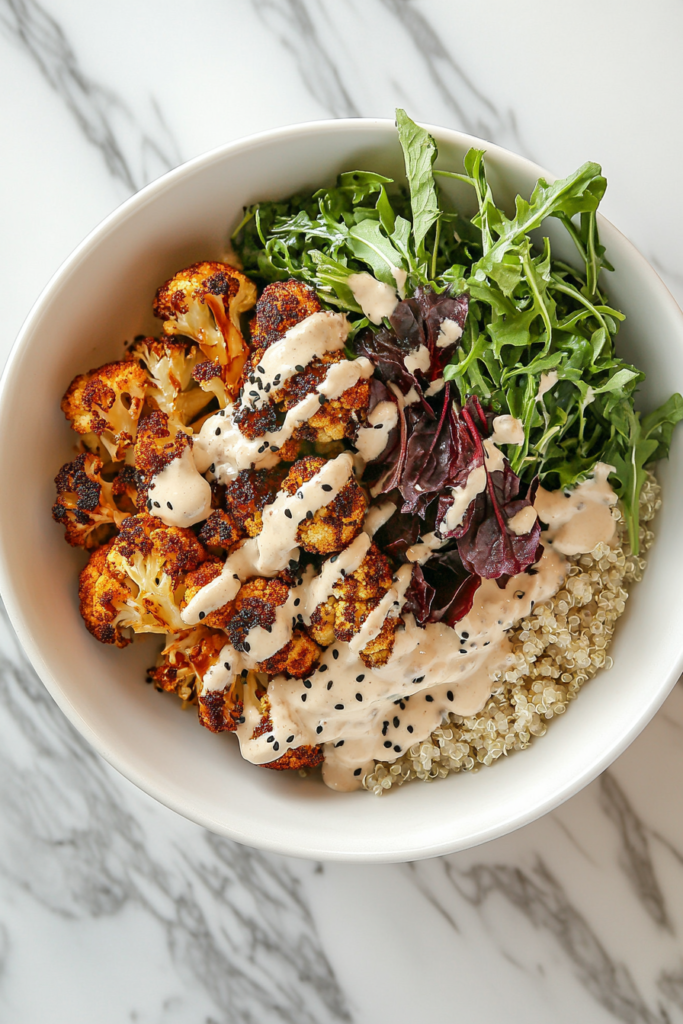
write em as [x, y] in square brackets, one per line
[114, 756]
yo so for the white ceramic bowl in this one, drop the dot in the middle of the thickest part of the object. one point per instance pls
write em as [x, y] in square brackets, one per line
[101, 296]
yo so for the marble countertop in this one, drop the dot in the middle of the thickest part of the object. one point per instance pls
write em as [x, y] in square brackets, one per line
[112, 908]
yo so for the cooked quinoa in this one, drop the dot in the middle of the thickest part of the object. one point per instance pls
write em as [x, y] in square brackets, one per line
[557, 649]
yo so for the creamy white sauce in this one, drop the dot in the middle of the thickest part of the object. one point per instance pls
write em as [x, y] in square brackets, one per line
[400, 277]
[179, 494]
[449, 332]
[418, 359]
[548, 381]
[580, 519]
[435, 387]
[425, 548]
[375, 298]
[462, 499]
[372, 440]
[377, 516]
[317, 335]
[507, 430]
[403, 400]
[221, 444]
[524, 521]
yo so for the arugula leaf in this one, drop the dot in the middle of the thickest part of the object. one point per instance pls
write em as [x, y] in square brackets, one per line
[419, 153]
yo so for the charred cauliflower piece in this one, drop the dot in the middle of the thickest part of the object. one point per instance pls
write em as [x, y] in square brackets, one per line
[86, 504]
[282, 305]
[105, 404]
[297, 758]
[204, 302]
[209, 376]
[220, 532]
[298, 658]
[173, 387]
[335, 525]
[199, 578]
[343, 614]
[185, 660]
[158, 444]
[337, 418]
[247, 496]
[137, 581]
[221, 710]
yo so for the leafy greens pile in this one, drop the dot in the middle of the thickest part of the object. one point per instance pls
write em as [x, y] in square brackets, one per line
[530, 319]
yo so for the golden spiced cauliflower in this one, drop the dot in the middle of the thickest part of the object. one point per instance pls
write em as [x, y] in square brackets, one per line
[104, 406]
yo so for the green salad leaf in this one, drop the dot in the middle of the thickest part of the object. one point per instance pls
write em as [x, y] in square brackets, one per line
[539, 340]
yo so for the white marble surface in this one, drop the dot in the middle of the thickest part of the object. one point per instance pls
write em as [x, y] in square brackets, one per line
[111, 907]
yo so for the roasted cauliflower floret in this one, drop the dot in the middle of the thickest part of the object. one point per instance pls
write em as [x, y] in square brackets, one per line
[199, 578]
[354, 596]
[298, 658]
[297, 758]
[158, 444]
[105, 404]
[204, 302]
[247, 495]
[220, 532]
[335, 525]
[172, 387]
[282, 305]
[209, 376]
[88, 506]
[140, 582]
[337, 418]
[221, 710]
[185, 660]
[378, 651]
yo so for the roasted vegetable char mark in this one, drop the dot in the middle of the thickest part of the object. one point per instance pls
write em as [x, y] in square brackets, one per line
[104, 406]
[282, 305]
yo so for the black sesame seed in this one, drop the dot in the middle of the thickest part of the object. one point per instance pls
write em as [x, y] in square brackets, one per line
[149, 505]
[299, 582]
[327, 487]
[463, 651]
[409, 728]
[253, 394]
[465, 636]
[401, 705]
[323, 668]
[319, 729]
[157, 581]
[338, 707]
[169, 505]
[450, 695]
[226, 664]
[290, 739]
[339, 743]
[304, 696]
[299, 368]
[397, 721]
[308, 684]
[359, 696]
[309, 514]
[520, 594]
[262, 448]
[273, 448]
[247, 646]
[235, 576]
[378, 426]
[300, 617]
[297, 602]
[271, 739]
[241, 720]
[486, 643]
[288, 513]
[260, 369]
[212, 467]
[360, 678]
[300, 494]
[397, 749]
[334, 558]
[385, 726]
[276, 746]
[202, 615]
[330, 684]
[429, 698]
[322, 399]
[357, 771]
[267, 388]
[418, 679]
[157, 505]
[218, 430]
[387, 743]
[335, 654]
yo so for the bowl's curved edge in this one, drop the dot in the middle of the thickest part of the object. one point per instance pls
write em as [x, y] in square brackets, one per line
[24, 630]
